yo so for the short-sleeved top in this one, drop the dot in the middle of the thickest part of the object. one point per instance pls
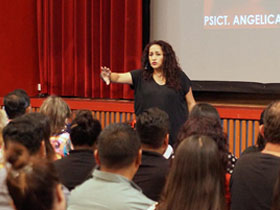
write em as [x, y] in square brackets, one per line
[253, 180]
[148, 94]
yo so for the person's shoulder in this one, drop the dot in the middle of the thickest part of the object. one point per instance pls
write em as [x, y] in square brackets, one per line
[61, 162]
[249, 150]
[254, 158]
[137, 200]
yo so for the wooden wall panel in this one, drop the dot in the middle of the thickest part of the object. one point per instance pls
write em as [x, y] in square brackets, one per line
[240, 123]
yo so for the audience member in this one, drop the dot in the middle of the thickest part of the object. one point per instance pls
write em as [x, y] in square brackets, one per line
[16, 103]
[58, 112]
[209, 127]
[35, 185]
[212, 127]
[152, 127]
[196, 177]
[23, 141]
[260, 141]
[77, 167]
[205, 110]
[119, 155]
[43, 124]
[255, 174]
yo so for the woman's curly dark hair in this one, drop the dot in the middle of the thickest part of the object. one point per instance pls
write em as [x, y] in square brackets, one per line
[207, 126]
[170, 65]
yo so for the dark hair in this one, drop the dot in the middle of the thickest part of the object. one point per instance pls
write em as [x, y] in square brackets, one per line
[16, 103]
[261, 141]
[170, 65]
[25, 130]
[43, 124]
[204, 110]
[84, 129]
[118, 146]
[24, 94]
[208, 127]
[272, 123]
[152, 125]
[33, 186]
[196, 178]
[58, 111]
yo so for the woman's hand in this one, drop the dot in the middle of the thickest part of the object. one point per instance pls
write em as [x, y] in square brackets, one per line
[105, 74]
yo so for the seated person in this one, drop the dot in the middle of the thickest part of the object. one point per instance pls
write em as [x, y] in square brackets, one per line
[77, 167]
[255, 174]
[58, 112]
[204, 119]
[35, 185]
[211, 127]
[196, 177]
[152, 127]
[23, 141]
[16, 103]
[119, 155]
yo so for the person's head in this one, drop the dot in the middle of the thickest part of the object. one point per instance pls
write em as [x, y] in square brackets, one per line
[208, 127]
[272, 123]
[196, 177]
[24, 94]
[58, 111]
[152, 126]
[16, 103]
[23, 137]
[35, 186]
[84, 129]
[43, 123]
[204, 110]
[118, 147]
[164, 58]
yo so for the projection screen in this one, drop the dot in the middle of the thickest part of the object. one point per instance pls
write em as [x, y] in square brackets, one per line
[221, 40]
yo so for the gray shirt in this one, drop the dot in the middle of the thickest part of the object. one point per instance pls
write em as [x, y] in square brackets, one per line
[108, 191]
[5, 199]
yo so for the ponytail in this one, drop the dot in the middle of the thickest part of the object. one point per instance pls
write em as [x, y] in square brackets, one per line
[33, 185]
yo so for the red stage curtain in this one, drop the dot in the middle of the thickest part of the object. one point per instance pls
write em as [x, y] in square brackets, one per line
[76, 37]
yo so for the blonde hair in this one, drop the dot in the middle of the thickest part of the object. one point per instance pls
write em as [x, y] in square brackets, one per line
[3, 123]
[58, 111]
[3, 119]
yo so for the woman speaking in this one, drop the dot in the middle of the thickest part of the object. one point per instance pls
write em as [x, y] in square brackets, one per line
[161, 83]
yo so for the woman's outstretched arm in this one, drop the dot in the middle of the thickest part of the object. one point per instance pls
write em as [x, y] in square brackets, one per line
[108, 76]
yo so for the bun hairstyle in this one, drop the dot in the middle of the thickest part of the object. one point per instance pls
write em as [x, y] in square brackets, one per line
[33, 185]
[84, 129]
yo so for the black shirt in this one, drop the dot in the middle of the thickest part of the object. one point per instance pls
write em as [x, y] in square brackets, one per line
[152, 174]
[148, 94]
[75, 168]
[253, 180]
